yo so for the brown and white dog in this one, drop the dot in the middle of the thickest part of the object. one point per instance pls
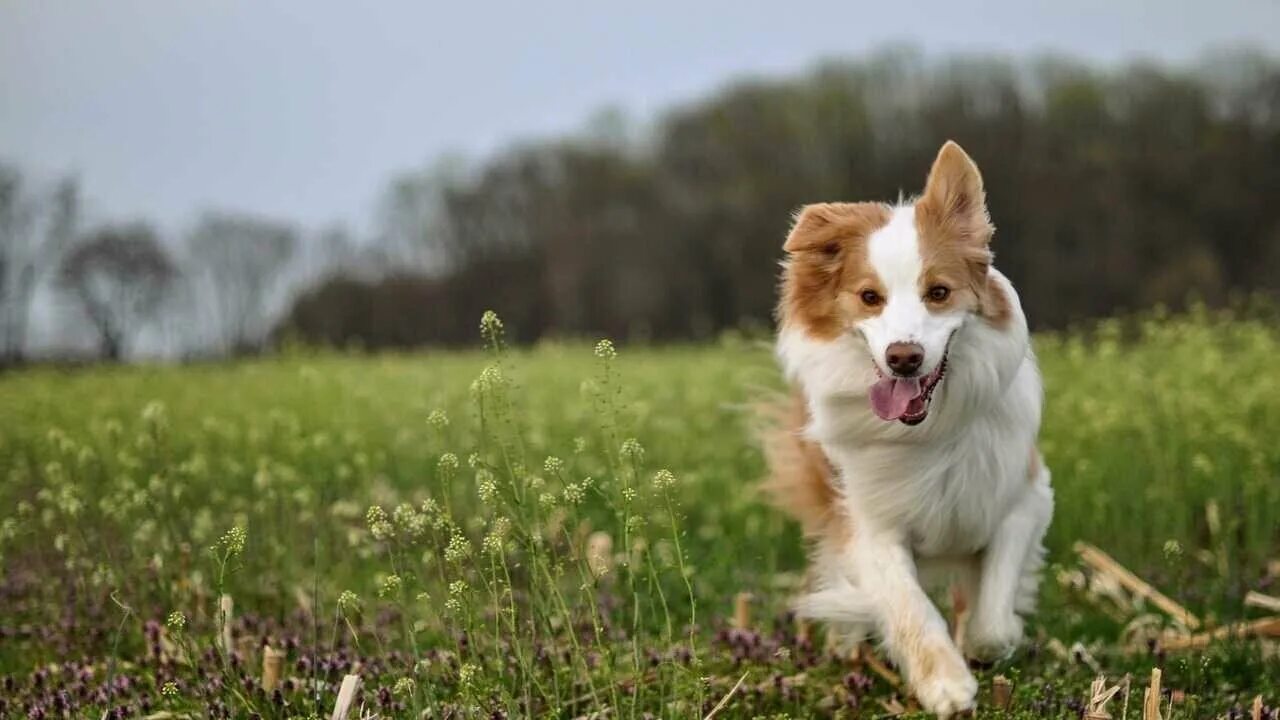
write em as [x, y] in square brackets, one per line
[910, 457]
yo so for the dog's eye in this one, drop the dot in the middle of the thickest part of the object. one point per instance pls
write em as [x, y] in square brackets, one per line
[939, 293]
[870, 298]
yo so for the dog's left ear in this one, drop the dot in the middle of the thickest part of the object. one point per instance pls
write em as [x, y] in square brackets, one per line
[953, 210]
[954, 201]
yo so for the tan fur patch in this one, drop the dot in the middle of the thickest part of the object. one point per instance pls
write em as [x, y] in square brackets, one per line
[955, 236]
[933, 658]
[960, 601]
[996, 307]
[802, 480]
[827, 268]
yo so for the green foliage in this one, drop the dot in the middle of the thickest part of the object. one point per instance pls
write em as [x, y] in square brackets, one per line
[546, 531]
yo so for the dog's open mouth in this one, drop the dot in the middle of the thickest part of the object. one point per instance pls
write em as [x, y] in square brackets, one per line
[905, 399]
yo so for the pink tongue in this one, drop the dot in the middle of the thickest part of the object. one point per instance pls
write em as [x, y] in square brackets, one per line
[890, 397]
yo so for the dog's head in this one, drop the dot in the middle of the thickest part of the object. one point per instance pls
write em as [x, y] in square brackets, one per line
[905, 278]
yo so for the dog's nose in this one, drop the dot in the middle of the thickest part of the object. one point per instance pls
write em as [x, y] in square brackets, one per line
[904, 358]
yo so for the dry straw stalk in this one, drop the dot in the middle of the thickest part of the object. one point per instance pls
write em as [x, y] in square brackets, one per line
[272, 667]
[868, 656]
[1001, 692]
[347, 695]
[1099, 696]
[1266, 627]
[1151, 698]
[742, 611]
[1265, 602]
[226, 607]
[1104, 563]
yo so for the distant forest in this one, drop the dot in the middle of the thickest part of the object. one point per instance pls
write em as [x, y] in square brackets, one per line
[1112, 189]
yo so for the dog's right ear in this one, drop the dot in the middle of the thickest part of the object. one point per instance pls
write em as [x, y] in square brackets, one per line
[826, 228]
[812, 230]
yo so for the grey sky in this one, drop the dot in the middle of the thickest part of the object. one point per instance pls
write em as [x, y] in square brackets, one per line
[304, 109]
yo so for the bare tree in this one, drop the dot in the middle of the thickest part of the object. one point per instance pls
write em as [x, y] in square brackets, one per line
[414, 229]
[34, 233]
[329, 251]
[119, 276]
[240, 262]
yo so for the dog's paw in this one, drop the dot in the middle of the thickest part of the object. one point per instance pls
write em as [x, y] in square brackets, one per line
[940, 679]
[989, 640]
[947, 693]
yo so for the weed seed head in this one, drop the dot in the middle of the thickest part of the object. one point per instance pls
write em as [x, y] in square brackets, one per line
[573, 494]
[390, 586]
[176, 622]
[605, 350]
[233, 541]
[379, 526]
[348, 603]
[447, 465]
[458, 548]
[486, 485]
[552, 465]
[632, 450]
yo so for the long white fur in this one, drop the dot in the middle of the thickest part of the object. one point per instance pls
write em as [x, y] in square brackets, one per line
[950, 498]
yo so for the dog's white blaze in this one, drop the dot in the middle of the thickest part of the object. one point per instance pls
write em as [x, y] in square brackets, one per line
[893, 252]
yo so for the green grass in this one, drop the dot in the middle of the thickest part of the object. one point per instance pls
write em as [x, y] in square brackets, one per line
[120, 484]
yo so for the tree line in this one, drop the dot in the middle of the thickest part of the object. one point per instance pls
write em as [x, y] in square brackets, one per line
[1112, 188]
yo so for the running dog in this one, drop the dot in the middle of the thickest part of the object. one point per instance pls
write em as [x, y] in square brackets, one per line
[909, 453]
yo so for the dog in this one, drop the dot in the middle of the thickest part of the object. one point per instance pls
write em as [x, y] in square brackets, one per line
[908, 453]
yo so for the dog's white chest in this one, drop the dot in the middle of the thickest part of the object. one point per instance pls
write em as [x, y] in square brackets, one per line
[959, 505]
[947, 498]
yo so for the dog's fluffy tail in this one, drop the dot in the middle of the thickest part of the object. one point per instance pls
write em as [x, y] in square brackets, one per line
[801, 480]
[803, 483]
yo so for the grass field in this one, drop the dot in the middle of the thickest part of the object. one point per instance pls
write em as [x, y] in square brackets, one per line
[556, 531]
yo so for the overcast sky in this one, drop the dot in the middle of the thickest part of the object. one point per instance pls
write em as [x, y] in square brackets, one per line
[304, 109]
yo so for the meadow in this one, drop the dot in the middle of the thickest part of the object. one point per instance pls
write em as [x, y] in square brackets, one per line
[575, 531]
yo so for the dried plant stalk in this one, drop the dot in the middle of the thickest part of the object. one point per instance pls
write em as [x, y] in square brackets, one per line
[1266, 602]
[725, 700]
[1266, 627]
[304, 600]
[1080, 653]
[272, 667]
[600, 553]
[346, 697]
[1001, 692]
[742, 611]
[1059, 650]
[1104, 563]
[226, 606]
[1099, 696]
[893, 707]
[878, 667]
[1151, 698]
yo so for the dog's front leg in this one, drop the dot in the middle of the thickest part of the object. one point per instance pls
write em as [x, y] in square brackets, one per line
[1009, 576]
[913, 629]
